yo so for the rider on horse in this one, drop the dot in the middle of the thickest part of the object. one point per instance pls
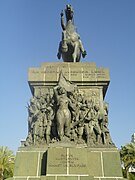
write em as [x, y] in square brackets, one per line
[71, 46]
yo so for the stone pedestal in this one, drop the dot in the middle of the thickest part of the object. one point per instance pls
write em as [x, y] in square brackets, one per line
[60, 163]
[70, 159]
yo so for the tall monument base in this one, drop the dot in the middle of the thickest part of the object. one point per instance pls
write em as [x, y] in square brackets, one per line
[81, 149]
[62, 163]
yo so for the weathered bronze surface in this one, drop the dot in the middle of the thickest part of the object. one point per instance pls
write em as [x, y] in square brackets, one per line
[67, 112]
[70, 47]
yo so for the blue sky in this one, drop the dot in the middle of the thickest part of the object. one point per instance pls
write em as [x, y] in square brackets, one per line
[29, 35]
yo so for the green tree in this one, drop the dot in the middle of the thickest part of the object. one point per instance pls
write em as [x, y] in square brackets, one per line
[127, 154]
[7, 158]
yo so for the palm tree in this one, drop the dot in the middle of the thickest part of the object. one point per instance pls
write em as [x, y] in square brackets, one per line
[127, 154]
[6, 163]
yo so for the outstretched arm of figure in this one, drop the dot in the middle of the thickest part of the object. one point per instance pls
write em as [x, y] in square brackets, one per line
[62, 20]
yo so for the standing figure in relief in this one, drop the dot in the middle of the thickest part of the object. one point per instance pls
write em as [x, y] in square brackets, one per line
[94, 123]
[87, 123]
[63, 114]
[106, 138]
[50, 118]
[33, 110]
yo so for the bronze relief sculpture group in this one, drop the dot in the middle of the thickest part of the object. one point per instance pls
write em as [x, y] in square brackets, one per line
[67, 116]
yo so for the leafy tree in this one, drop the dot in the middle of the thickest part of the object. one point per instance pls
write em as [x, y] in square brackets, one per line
[131, 176]
[6, 163]
[127, 154]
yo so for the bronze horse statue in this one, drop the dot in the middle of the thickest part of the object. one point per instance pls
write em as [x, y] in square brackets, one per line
[71, 47]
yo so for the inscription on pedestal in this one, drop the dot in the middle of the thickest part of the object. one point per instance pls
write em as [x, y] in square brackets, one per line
[66, 161]
[73, 72]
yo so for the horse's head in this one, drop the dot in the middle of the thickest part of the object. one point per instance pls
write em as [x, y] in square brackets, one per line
[69, 12]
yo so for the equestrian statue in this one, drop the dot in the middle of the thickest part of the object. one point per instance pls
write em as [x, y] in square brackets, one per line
[70, 47]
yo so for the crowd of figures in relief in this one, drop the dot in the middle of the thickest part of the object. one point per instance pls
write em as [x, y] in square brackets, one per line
[69, 117]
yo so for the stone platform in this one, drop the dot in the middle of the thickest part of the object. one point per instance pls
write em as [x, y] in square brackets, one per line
[61, 163]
